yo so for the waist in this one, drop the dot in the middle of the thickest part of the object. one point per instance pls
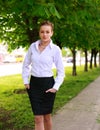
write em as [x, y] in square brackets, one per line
[35, 77]
[41, 73]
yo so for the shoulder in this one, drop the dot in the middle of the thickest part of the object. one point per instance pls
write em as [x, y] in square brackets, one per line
[56, 48]
[34, 43]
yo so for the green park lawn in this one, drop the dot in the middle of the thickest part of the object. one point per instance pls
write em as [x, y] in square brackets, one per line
[15, 109]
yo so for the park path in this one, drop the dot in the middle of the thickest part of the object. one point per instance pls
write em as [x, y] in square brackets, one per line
[82, 112]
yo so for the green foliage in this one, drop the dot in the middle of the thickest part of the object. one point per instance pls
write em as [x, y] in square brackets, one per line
[19, 20]
[77, 22]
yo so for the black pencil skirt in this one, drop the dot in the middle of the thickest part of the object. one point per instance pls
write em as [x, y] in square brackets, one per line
[41, 102]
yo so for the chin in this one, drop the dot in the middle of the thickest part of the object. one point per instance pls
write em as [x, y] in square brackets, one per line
[46, 40]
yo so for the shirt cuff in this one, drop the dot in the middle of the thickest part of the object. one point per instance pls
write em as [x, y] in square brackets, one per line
[56, 86]
[26, 81]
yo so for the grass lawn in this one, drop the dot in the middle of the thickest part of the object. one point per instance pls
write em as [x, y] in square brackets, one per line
[15, 109]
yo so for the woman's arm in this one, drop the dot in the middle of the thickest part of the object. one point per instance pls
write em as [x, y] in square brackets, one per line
[26, 67]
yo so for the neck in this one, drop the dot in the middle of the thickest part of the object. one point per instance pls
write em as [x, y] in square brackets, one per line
[45, 43]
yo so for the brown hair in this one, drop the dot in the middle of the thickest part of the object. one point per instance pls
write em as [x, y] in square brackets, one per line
[47, 23]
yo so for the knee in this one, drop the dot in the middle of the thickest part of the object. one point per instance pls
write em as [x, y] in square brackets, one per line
[47, 118]
[38, 119]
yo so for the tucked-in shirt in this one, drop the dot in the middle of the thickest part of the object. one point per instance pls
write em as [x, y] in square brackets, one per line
[39, 64]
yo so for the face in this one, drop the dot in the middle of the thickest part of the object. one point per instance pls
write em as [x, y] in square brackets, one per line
[45, 33]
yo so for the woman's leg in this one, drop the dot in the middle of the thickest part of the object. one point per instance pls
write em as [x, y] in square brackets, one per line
[48, 122]
[39, 122]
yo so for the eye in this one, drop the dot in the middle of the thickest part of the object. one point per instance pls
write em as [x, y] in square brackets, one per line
[41, 31]
[47, 32]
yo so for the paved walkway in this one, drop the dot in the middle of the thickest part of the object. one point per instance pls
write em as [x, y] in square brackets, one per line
[10, 69]
[82, 112]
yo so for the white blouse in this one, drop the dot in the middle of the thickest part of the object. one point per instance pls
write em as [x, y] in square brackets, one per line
[42, 63]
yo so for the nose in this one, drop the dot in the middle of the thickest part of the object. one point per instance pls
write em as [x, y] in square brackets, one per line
[45, 33]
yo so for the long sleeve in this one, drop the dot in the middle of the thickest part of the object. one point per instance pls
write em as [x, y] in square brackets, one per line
[26, 67]
[60, 69]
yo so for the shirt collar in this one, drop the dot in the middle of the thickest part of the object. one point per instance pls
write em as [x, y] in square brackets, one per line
[39, 41]
[51, 44]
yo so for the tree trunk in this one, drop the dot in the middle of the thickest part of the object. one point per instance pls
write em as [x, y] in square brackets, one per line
[95, 63]
[32, 33]
[99, 59]
[74, 73]
[91, 60]
[86, 61]
[95, 55]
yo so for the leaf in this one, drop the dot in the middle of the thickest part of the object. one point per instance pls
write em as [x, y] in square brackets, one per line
[53, 11]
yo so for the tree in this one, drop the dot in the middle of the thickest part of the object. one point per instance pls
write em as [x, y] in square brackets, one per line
[76, 23]
[81, 18]
[19, 20]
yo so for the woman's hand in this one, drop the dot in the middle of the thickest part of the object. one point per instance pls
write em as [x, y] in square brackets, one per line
[27, 86]
[52, 90]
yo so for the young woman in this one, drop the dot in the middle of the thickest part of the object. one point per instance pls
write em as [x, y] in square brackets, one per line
[40, 83]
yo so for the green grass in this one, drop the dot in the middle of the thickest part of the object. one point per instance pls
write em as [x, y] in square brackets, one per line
[15, 109]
